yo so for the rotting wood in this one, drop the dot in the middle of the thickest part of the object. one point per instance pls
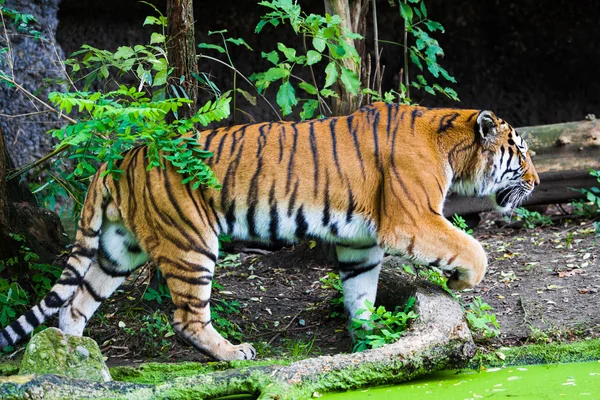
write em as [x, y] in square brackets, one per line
[438, 339]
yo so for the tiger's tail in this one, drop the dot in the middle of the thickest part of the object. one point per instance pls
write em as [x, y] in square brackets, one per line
[80, 260]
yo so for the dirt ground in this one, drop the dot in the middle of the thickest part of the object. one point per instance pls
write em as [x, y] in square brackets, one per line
[542, 283]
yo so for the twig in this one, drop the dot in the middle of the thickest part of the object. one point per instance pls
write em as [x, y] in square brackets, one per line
[246, 79]
[284, 329]
[255, 251]
[406, 59]
[377, 74]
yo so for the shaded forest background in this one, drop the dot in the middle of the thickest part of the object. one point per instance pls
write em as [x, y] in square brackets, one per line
[532, 62]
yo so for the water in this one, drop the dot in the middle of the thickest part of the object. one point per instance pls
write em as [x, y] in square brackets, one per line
[536, 382]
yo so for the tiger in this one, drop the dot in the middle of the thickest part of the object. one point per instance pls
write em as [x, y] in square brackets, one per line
[370, 183]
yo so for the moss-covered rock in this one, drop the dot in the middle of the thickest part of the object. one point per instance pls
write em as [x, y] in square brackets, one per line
[53, 352]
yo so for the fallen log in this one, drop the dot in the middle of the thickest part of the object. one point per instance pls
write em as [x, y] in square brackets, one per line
[438, 339]
[563, 155]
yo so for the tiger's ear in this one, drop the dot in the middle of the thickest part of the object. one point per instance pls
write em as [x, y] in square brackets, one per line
[486, 127]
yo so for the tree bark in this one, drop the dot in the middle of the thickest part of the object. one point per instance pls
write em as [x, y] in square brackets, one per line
[438, 339]
[181, 45]
[347, 102]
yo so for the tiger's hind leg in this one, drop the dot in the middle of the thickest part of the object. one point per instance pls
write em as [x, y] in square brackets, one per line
[359, 271]
[189, 274]
[118, 255]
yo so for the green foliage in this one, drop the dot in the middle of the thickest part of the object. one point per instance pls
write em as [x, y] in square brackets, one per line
[332, 281]
[14, 299]
[153, 333]
[591, 206]
[330, 45]
[220, 313]
[425, 51]
[121, 116]
[298, 349]
[382, 327]
[531, 219]
[480, 320]
[461, 224]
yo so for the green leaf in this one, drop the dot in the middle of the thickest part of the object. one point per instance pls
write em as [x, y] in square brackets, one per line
[328, 93]
[273, 56]
[308, 109]
[407, 13]
[288, 52]
[123, 52]
[286, 98]
[318, 43]
[211, 46]
[310, 89]
[331, 74]
[239, 42]
[423, 9]
[350, 80]
[312, 57]
[157, 38]
[434, 26]
[151, 21]
[276, 73]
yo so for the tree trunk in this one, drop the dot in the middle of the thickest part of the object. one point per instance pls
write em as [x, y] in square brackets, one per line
[347, 102]
[181, 45]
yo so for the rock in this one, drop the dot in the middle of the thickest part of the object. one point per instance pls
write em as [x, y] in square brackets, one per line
[53, 352]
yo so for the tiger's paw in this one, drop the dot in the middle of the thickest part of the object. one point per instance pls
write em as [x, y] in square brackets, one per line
[460, 280]
[244, 351]
[228, 352]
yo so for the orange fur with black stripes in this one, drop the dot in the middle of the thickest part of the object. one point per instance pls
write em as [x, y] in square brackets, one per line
[371, 182]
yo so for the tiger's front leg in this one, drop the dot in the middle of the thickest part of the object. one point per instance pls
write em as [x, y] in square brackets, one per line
[435, 241]
[359, 272]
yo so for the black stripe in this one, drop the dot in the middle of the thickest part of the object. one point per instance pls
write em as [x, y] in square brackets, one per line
[73, 271]
[281, 138]
[315, 154]
[88, 232]
[359, 271]
[220, 148]
[376, 138]
[332, 124]
[83, 252]
[134, 248]
[414, 114]
[292, 201]
[235, 139]
[365, 247]
[347, 266]
[113, 273]
[31, 318]
[93, 292]
[351, 205]
[273, 214]
[53, 300]
[18, 329]
[301, 224]
[200, 280]
[447, 122]
[230, 217]
[353, 132]
[8, 340]
[209, 139]
[326, 212]
[291, 162]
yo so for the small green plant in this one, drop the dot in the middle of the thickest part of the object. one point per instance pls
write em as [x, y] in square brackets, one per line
[531, 219]
[480, 320]
[597, 228]
[382, 327]
[298, 349]
[332, 281]
[220, 313]
[14, 299]
[461, 224]
[591, 206]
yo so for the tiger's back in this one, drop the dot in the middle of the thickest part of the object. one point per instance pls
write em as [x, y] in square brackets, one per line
[370, 182]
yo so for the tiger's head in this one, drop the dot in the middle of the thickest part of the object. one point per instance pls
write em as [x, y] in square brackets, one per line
[501, 168]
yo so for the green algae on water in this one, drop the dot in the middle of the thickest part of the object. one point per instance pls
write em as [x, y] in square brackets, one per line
[564, 381]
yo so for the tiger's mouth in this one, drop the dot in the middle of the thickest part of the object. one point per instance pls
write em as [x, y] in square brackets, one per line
[510, 197]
